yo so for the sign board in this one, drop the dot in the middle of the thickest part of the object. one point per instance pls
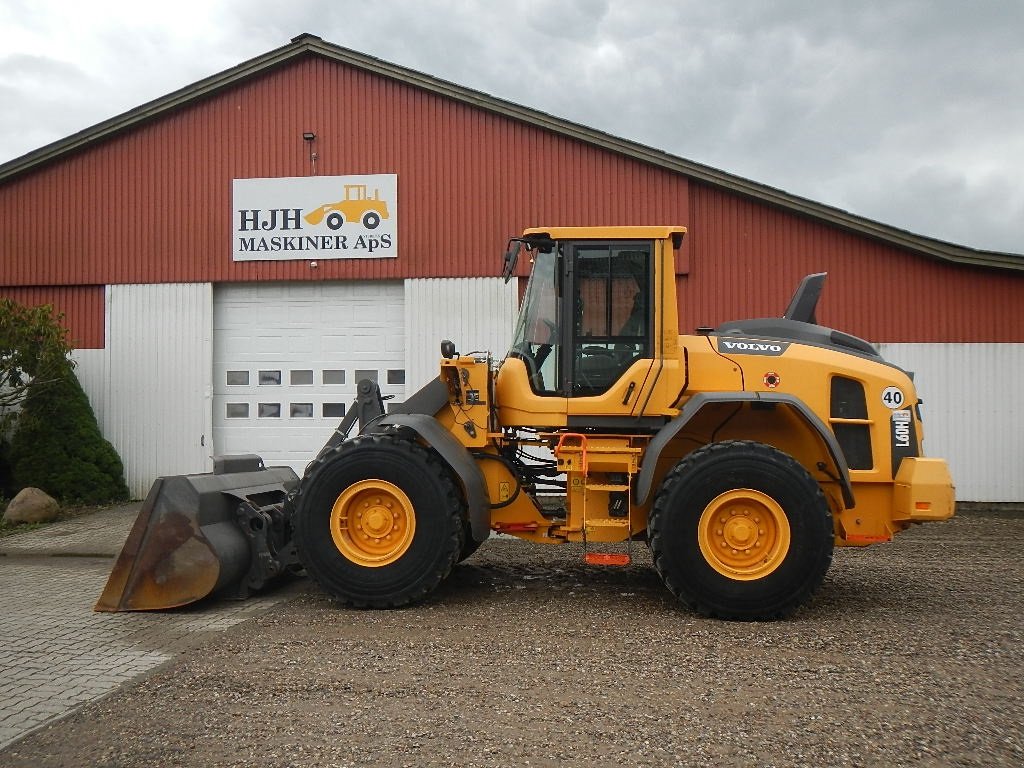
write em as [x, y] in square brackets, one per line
[314, 218]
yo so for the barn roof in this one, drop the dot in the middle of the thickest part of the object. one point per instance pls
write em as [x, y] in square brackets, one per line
[311, 45]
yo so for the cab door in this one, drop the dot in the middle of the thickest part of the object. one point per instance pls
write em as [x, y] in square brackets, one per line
[608, 327]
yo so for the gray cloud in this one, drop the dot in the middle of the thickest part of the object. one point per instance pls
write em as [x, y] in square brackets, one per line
[43, 96]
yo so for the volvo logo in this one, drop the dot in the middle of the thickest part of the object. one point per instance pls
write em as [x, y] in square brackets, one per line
[744, 347]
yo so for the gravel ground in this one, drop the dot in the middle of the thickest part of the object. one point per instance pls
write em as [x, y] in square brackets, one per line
[910, 654]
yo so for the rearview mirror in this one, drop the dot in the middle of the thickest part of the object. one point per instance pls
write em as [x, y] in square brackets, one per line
[511, 258]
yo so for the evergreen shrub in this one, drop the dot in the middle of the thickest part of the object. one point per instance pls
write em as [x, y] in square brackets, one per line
[58, 446]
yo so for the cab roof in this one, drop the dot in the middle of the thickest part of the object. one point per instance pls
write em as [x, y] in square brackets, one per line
[606, 233]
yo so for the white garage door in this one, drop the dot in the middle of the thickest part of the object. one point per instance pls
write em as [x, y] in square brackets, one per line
[286, 359]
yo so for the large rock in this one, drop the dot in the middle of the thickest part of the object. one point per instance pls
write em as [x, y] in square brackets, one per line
[32, 505]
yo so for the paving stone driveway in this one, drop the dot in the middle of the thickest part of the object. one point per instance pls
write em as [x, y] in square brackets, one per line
[56, 654]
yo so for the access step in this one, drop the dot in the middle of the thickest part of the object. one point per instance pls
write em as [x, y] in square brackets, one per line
[610, 487]
[606, 558]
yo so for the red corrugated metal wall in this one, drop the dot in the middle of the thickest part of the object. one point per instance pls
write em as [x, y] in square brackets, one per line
[747, 258]
[154, 205]
[81, 305]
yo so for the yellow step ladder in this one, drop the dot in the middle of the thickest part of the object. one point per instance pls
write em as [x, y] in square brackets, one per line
[572, 451]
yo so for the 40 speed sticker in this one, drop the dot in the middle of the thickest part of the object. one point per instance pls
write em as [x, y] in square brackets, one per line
[892, 397]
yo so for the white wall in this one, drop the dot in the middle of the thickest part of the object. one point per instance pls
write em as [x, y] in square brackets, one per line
[151, 387]
[477, 313]
[972, 413]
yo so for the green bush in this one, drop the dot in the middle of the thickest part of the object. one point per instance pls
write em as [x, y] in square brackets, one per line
[58, 446]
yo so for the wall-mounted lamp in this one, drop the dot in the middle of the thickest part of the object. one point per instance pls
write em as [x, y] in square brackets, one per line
[309, 137]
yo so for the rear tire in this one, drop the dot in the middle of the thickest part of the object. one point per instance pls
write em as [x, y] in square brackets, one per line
[379, 523]
[740, 530]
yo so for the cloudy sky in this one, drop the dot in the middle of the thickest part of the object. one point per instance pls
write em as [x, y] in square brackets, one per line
[909, 112]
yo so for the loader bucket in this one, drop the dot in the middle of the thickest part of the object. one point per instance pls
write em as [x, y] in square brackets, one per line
[202, 534]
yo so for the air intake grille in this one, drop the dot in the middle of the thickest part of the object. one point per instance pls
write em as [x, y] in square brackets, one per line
[849, 413]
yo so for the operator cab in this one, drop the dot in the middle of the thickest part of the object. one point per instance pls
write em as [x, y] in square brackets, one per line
[588, 326]
[586, 315]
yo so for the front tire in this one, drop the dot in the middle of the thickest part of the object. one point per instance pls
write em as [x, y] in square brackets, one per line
[379, 523]
[740, 530]
[469, 544]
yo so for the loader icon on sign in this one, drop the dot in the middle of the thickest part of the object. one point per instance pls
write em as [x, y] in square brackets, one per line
[357, 206]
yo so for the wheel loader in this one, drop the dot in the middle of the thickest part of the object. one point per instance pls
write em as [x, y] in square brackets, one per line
[741, 455]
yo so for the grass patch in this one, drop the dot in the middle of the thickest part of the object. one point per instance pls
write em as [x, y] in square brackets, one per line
[9, 529]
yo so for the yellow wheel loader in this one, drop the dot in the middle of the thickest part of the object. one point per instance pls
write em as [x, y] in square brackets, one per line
[357, 206]
[742, 455]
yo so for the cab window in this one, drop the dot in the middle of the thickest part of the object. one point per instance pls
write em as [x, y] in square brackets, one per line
[536, 340]
[612, 316]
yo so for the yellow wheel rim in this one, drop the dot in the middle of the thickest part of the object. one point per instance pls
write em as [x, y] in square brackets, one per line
[372, 523]
[744, 534]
